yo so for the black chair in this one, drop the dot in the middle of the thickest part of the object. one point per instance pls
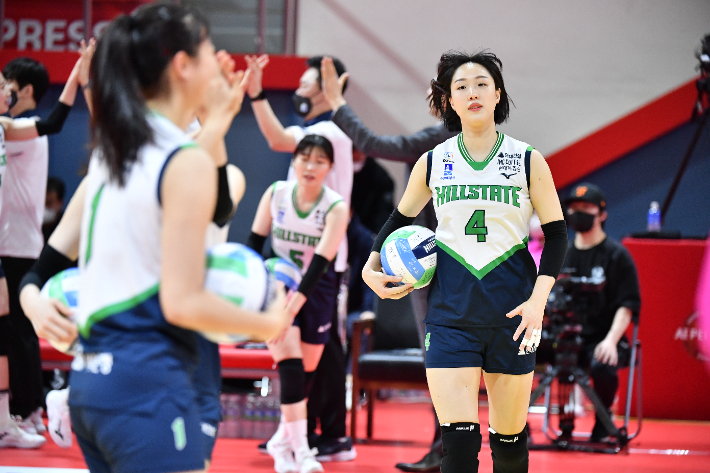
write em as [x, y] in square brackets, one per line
[392, 359]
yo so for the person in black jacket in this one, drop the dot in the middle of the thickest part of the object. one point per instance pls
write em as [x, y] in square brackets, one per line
[594, 255]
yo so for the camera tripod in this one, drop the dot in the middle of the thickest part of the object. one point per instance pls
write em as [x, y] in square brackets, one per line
[568, 374]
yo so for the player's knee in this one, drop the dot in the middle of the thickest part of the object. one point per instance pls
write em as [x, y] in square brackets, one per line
[509, 452]
[461, 444]
[292, 379]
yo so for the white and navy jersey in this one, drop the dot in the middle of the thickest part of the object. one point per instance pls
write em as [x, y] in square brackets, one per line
[484, 269]
[22, 195]
[124, 335]
[294, 233]
[340, 177]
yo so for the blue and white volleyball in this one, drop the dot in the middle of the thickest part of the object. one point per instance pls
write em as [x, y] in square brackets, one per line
[237, 273]
[410, 252]
[284, 271]
[64, 287]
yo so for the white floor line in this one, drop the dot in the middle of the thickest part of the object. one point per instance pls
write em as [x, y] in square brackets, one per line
[24, 469]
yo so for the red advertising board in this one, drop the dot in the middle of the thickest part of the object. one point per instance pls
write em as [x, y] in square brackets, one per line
[676, 383]
[56, 26]
[50, 31]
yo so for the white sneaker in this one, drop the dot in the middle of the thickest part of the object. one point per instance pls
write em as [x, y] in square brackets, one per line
[283, 456]
[12, 435]
[25, 424]
[58, 420]
[37, 420]
[306, 460]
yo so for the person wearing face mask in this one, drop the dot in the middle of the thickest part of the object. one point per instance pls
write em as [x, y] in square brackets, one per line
[310, 103]
[25, 153]
[53, 206]
[594, 255]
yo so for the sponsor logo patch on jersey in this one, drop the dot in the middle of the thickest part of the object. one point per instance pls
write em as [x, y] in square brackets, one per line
[448, 171]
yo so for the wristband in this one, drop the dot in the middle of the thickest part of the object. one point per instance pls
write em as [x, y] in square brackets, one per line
[555, 249]
[261, 96]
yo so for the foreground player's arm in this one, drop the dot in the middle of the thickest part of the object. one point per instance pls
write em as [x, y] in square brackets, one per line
[336, 224]
[188, 199]
[543, 196]
[278, 137]
[415, 197]
[48, 316]
[26, 129]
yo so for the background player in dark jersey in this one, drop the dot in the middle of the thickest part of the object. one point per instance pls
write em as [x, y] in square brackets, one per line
[593, 254]
[470, 95]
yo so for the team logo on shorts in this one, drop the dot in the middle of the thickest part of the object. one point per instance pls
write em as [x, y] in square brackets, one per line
[426, 341]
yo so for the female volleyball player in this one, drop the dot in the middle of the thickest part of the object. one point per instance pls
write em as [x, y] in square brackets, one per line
[307, 221]
[149, 196]
[485, 186]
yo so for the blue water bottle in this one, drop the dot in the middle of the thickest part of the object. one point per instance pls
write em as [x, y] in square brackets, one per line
[654, 218]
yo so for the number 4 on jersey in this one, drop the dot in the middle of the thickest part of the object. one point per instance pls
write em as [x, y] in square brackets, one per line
[477, 225]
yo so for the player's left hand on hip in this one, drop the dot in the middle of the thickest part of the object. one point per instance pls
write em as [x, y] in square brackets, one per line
[531, 323]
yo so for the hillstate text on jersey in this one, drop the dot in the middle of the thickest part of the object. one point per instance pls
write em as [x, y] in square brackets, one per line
[482, 207]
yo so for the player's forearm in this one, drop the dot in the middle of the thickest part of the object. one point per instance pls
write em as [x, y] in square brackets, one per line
[276, 135]
[69, 93]
[211, 139]
[622, 319]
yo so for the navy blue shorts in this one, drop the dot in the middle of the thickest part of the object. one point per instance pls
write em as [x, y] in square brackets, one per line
[491, 348]
[167, 440]
[316, 316]
[207, 382]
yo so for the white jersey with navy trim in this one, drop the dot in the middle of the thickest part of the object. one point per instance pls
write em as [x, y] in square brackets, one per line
[340, 177]
[3, 161]
[125, 339]
[483, 208]
[295, 234]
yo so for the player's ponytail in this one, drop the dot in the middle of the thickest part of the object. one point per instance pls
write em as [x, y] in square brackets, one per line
[128, 68]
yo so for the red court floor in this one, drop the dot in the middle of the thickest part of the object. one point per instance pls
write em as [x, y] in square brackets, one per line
[402, 432]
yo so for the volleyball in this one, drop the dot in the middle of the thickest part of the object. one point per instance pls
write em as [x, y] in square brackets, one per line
[237, 273]
[410, 252]
[64, 287]
[284, 271]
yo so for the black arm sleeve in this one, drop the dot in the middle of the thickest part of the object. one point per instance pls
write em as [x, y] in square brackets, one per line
[394, 148]
[49, 263]
[555, 249]
[256, 242]
[315, 270]
[396, 221]
[55, 121]
[224, 207]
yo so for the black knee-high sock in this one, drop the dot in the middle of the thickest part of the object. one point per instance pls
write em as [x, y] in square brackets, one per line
[509, 452]
[461, 444]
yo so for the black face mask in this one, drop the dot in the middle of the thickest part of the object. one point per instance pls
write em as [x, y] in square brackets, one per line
[581, 221]
[301, 105]
[12, 99]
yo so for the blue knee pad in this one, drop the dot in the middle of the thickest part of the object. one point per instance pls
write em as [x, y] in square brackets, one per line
[509, 452]
[461, 444]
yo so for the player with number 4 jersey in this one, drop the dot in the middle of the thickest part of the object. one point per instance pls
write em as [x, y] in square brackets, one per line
[486, 292]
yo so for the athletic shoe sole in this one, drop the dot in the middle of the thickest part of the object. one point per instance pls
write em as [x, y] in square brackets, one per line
[343, 456]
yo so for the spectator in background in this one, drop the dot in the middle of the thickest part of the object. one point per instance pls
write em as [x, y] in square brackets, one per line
[22, 200]
[53, 206]
[373, 189]
[405, 148]
[594, 255]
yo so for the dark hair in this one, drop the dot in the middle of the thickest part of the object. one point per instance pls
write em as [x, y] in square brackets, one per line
[306, 145]
[57, 185]
[441, 86]
[128, 68]
[315, 61]
[24, 71]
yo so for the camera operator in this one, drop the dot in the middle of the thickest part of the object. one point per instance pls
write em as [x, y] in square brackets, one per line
[594, 255]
